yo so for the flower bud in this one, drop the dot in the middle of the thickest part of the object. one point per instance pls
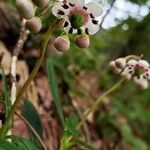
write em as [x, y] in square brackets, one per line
[120, 63]
[34, 25]
[114, 68]
[25, 8]
[41, 3]
[112, 64]
[82, 41]
[62, 43]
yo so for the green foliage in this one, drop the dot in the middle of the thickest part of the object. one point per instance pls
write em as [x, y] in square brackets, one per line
[134, 142]
[139, 1]
[17, 143]
[32, 116]
[128, 102]
[6, 96]
[54, 88]
[70, 126]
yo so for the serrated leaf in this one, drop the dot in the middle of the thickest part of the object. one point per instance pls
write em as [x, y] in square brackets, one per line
[72, 121]
[32, 116]
[71, 124]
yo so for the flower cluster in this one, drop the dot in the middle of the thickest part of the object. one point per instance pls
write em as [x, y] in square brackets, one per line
[27, 10]
[136, 69]
[79, 18]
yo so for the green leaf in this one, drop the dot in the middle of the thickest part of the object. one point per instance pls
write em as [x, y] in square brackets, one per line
[32, 116]
[71, 124]
[24, 144]
[17, 143]
[6, 96]
[5, 145]
[54, 88]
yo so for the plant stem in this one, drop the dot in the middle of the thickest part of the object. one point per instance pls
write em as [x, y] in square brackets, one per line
[65, 142]
[33, 130]
[16, 51]
[46, 38]
[97, 102]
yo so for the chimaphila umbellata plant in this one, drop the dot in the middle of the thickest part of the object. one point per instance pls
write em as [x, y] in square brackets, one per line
[75, 17]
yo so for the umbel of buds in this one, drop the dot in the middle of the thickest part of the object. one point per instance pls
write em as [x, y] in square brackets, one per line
[134, 68]
[62, 43]
[34, 25]
[82, 41]
[25, 8]
[41, 3]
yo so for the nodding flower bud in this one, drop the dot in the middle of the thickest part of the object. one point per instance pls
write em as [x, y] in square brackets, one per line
[62, 43]
[25, 8]
[120, 63]
[41, 3]
[34, 25]
[82, 41]
[114, 68]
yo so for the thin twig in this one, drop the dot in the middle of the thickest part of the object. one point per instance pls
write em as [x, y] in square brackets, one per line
[108, 11]
[32, 129]
[16, 51]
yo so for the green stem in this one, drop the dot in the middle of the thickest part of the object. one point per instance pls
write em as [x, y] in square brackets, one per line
[97, 102]
[46, 38]
[66, 141]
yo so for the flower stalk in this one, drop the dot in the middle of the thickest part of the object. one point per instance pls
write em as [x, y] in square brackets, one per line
[46, 39]
[97, 102]
[66, 142]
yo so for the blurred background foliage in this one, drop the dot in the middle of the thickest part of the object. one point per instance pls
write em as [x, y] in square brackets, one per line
[127, 119]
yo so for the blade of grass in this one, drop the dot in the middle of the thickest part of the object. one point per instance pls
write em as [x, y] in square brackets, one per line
[6, 96]
[54, 88]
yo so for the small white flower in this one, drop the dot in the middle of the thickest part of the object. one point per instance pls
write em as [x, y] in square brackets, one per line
[78, 16]
[141, 82]
[127, 72]
[143, 63]
[132, 62]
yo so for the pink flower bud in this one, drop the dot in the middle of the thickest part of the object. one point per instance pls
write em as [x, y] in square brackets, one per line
[41, 3]
[25, 8]
[34, 25]
[82, 41]
[120, 63]
[114, 68]
[62, 43]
